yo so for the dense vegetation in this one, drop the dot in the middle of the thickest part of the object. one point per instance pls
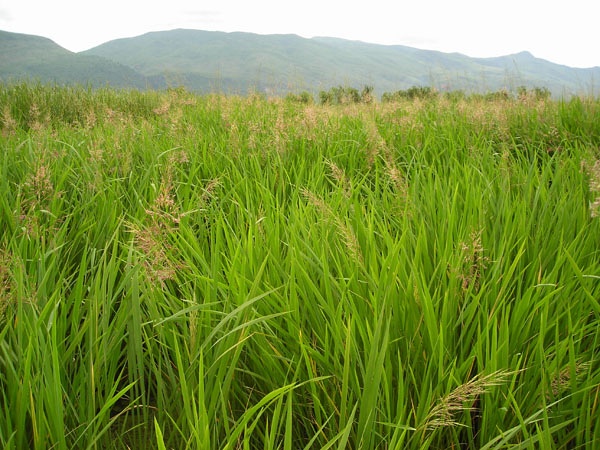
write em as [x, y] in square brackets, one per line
[211, 272]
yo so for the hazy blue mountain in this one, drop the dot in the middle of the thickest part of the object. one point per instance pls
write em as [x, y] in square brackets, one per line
[25, 56]
[208, 59]
[237, 62]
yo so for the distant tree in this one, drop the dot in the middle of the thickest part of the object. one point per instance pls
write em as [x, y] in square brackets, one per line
[421, 92]
[414, 92]
[350, 95]
[537, 93]
[304, 97]
[366, 95]
[325, 98]
[502, 94]
[340, 95]
[541, 93]
[337, 95]
[522, 92]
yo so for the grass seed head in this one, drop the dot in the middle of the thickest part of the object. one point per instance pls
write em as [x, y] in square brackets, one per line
[6, 281]
[9, 124]
[344, 231]
[162, 109]
[340, 178]
[474, 262]
[376, 145]
[561, 381]
[593, 172]
[150, 242]
[208, 192]
[444, 413]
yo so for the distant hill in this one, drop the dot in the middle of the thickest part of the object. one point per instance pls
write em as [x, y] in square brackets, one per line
[237, 62]
[25, 56]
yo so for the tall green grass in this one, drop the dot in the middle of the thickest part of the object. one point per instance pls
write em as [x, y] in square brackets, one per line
[210, 272]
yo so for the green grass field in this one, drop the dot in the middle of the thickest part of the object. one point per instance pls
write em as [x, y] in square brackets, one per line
[211, 272]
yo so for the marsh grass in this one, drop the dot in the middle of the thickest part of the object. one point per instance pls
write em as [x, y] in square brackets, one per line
[211, 272]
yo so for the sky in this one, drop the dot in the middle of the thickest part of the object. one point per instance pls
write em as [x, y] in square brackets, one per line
[564, 32]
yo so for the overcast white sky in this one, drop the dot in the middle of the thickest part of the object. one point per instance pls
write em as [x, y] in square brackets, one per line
[565, 32]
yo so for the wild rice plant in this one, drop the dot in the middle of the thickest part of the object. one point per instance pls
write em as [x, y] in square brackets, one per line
[210, 272]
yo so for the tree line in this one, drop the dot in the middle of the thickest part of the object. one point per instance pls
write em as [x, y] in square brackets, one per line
[343, 95]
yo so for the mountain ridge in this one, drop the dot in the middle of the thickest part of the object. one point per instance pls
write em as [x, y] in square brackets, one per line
[31, 57]
[279, 63]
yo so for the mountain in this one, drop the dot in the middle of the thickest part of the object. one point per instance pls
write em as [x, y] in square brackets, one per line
[24, 56]
[237, 62]
[206, 60]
